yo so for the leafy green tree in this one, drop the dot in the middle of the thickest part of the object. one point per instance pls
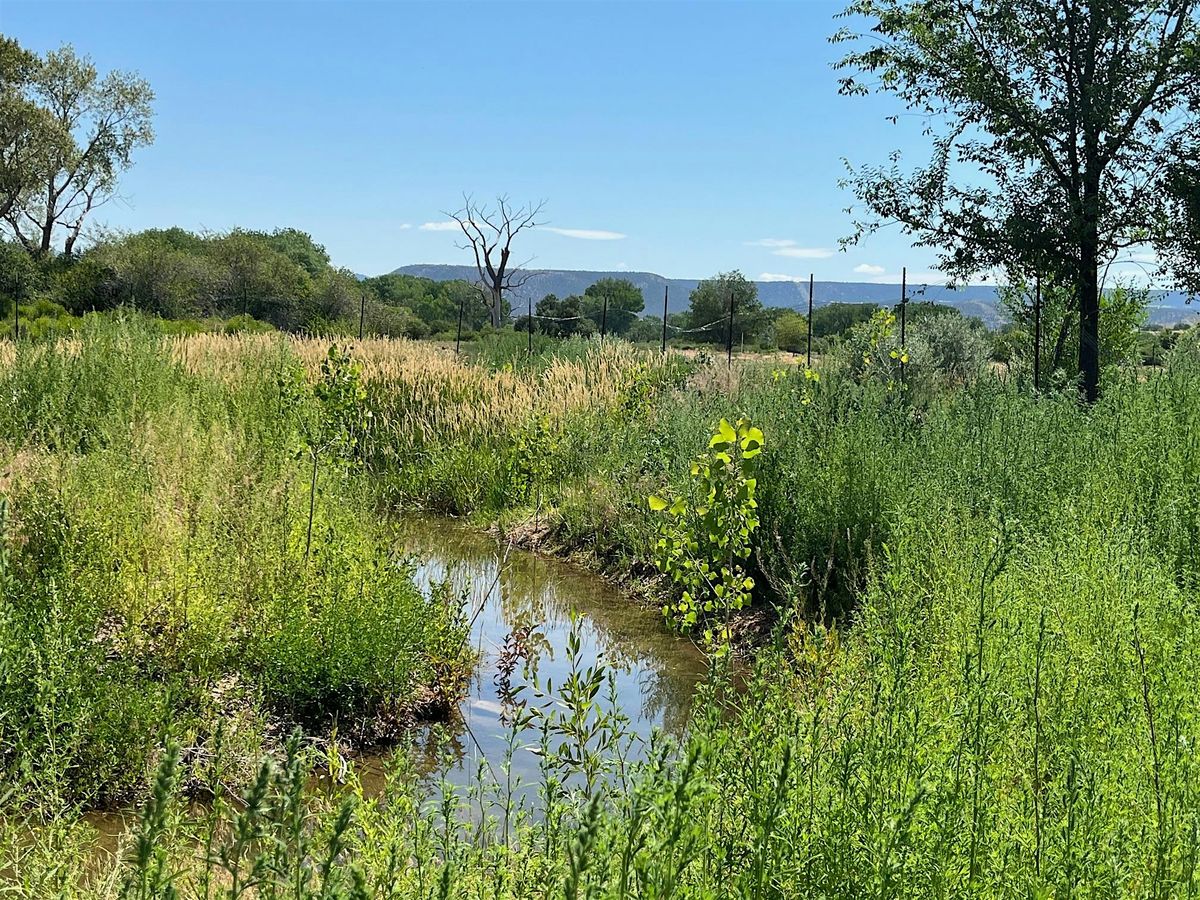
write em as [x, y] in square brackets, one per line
[1079, 118]
[624, 301]
[259, 281]
[791, 332]
[336, 296]
[93, 125]
[839, 318]
[20, 276]
[170, 273]
[434, 303]
[646, 330]
[561, 318]
[29, 134]
[300, 248]
[1124, 314]
[709, 308]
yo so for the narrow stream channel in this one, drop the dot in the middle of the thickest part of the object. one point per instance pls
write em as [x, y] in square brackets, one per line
[655, 671]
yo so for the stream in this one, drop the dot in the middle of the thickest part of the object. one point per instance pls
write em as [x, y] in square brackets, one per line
[655, 672]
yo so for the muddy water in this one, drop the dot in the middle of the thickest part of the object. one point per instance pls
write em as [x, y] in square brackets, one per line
[655, 672]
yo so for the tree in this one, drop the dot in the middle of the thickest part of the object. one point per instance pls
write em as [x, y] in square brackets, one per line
[94, 125]
[490, 232]
[791, 332]
[709, 304]
[1079, 118]
[260, 281]
[614, 303]
[1123, 311]
[300, 248]
[838, 318]
[434, 303]
[646, 330]
[561, 318]
[166, 272]
[27, 132]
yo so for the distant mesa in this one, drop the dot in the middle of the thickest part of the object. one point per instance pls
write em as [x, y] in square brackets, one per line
[974, 300]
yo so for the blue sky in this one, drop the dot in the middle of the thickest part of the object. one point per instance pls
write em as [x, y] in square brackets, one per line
[678, 138]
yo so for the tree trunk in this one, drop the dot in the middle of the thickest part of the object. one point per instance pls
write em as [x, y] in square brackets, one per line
[497, 306]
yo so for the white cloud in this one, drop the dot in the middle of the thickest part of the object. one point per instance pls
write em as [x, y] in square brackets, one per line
[771, 242]
[586, 234]
[868, 269]
[622, 267]
[772, 276]
[405, 226]
[805, 252]
[440, 226]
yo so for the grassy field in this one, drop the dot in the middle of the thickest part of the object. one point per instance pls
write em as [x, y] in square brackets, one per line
[982, 681]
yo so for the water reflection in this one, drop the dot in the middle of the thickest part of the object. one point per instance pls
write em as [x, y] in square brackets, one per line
[655, 673]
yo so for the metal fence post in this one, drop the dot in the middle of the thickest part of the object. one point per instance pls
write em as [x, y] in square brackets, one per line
[729, 334]
[458, 336]
[666, 294]
[808, 359]
[903, 317]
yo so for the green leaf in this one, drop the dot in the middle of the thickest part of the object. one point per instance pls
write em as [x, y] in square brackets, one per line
[725, 435]
[657, 503]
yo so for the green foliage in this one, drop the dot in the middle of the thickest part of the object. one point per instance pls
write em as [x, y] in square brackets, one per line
[838, 318]
[646, 330]
[709, 308]
[622, 298]
[559, 318]
[156, 584]
[68, 133]
[791, 332]
[1027, 172]
[1123, 314]
[982, 683]
[706, 535]
[432, 304]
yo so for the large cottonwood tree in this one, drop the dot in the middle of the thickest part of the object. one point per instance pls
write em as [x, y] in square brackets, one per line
[76, 135]
[1063, 132]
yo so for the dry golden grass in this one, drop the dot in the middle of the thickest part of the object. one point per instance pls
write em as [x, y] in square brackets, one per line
[437, 393]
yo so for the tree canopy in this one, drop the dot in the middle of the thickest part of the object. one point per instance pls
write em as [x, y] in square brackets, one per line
[67, 135]
[1063, 132]
[709, 307]
[623, 299]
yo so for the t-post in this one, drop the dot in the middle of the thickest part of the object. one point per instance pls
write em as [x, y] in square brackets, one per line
[808, 345]
[666, 294]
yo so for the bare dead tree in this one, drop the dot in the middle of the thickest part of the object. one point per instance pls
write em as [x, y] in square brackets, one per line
[489, 232]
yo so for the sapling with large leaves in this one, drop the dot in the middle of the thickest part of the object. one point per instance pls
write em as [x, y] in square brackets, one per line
[706, 534]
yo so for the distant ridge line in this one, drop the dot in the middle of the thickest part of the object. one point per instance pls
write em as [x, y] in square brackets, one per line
[971, 300]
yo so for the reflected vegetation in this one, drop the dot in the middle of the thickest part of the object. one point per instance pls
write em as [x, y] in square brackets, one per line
[654, 673]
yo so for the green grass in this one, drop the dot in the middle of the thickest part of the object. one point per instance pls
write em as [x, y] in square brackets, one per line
[983, 683]
[157, 584]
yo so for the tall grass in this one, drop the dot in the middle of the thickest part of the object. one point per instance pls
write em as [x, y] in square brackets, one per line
[156, 579]
[982, 683]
